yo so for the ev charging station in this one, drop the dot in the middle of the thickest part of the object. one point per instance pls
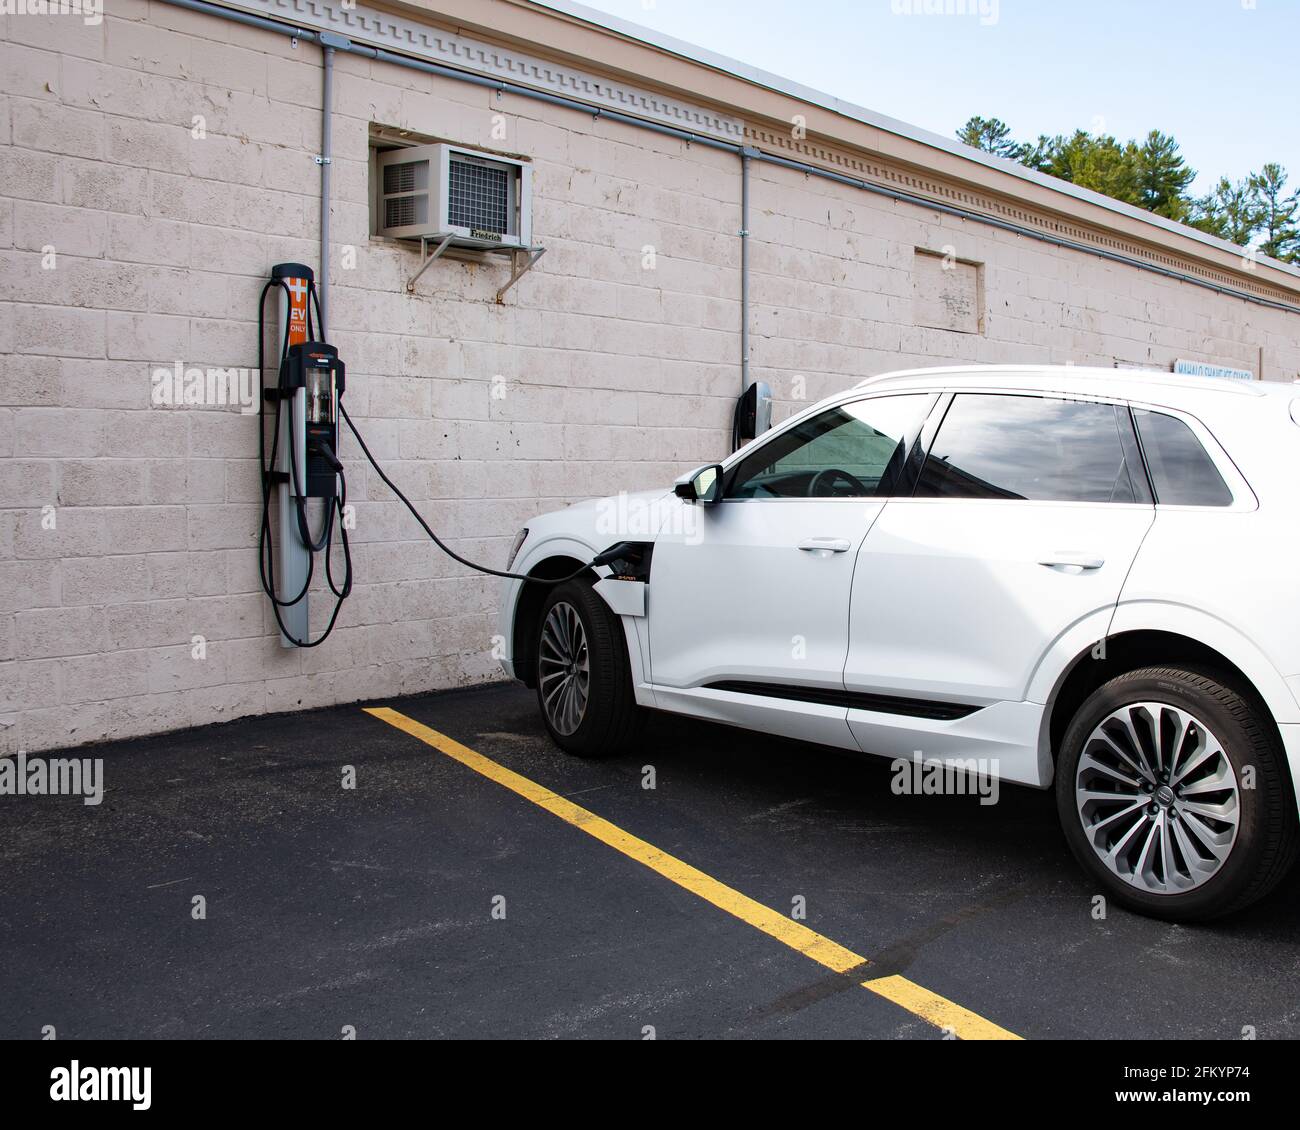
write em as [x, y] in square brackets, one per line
[307, 399]
[295, 558]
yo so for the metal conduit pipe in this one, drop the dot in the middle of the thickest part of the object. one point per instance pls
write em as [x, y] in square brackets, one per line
[745, 157]
[326, 153]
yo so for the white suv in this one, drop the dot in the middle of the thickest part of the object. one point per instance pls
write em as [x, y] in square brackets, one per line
[1075, 576]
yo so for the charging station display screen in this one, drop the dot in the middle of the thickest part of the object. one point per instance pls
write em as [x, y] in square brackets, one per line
[320, 396]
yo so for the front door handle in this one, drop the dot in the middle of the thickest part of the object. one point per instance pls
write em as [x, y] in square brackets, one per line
[825, 546]
[1080, 562]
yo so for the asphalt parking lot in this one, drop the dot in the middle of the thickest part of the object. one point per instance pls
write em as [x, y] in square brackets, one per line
[435, 899]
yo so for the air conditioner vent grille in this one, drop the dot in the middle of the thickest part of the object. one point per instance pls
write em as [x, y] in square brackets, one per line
[400, 177]
[479, 196]
[400, 211]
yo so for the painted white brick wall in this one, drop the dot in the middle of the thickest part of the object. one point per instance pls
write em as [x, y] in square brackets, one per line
[128, 533]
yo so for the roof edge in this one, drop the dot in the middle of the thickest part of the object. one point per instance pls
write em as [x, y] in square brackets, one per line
[813, 97]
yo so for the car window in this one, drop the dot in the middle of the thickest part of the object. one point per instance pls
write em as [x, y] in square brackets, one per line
[1029, 447]
[1182, 472]
[851, 451]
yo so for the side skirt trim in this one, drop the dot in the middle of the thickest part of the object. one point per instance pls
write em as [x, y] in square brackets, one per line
[853, 700]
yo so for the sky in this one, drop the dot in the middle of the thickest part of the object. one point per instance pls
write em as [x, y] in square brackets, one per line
[1221, 76]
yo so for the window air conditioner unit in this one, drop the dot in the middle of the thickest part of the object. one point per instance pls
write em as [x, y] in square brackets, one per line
[480, 200]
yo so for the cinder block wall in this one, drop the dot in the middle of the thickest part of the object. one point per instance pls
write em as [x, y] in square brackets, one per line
[153, 168]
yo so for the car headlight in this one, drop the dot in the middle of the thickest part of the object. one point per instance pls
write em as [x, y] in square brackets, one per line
[520, 538]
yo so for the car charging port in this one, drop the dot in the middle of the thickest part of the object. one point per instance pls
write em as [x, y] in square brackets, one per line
[628, 560]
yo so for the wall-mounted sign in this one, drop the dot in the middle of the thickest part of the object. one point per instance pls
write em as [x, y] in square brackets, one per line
[1223, 372]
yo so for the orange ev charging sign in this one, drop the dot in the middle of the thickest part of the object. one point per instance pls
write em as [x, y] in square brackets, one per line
[298, 290]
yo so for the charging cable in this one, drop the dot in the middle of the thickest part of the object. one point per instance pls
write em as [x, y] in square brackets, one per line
[612, 554]
[338, 505]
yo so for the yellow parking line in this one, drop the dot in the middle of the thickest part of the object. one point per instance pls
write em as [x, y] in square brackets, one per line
[939, 1011]
[931, 1007]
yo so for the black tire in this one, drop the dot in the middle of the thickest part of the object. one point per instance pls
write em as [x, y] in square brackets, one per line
[610, 718]
[1266, 835]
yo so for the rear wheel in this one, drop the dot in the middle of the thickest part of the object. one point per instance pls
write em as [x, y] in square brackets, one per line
[584, 680]
[1172, 791]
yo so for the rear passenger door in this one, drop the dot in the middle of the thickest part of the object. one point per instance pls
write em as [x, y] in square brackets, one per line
[1026, 516]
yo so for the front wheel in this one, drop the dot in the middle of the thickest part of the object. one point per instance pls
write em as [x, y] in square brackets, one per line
[584, 680]
[1172, 791]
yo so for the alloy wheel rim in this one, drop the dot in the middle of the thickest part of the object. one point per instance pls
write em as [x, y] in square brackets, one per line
[1158, 798]
[564, 668]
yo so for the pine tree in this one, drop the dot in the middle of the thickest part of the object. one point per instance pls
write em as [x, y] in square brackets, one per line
[991, 135]
[1279, 213]
[1099, 163]
[1162, 177]
[1231, 211]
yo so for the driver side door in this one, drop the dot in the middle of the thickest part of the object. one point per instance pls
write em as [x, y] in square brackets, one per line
[748, 604]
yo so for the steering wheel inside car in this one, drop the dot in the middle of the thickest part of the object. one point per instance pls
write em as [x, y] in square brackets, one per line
[822, 485]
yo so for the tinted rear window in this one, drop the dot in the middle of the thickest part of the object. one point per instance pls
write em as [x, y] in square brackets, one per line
[1028, 447]
[1181, 470]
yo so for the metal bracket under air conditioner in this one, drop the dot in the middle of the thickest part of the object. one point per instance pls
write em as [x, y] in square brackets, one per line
[529, 256]
[426, 260]
[522, 259]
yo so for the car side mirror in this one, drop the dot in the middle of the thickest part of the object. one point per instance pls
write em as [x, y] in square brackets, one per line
[704, 484]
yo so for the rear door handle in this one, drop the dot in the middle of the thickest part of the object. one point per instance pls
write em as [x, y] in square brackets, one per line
[1067, 559]
[824, 546]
